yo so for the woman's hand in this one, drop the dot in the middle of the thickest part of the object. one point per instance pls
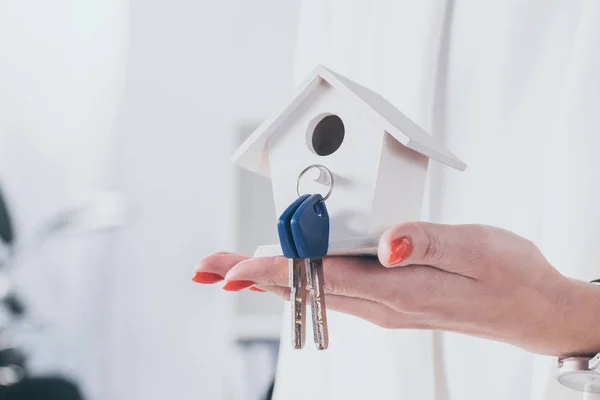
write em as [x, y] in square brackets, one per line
[470, 279]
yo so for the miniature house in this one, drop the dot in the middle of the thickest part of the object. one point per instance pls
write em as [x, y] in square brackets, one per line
[377, 156]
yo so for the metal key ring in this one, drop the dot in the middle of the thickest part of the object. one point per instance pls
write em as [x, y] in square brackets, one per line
[321, 167]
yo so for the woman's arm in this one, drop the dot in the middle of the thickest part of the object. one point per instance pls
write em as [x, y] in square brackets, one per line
[471, 279]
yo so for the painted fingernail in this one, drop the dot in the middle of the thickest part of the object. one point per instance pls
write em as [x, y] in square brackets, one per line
[255, 289]
[234, 286]
[206, 277]
[400, 249]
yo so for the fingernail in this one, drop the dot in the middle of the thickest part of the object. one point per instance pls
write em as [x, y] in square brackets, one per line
[234, 286]
[206, 277]
[255, 289]
[400, 249]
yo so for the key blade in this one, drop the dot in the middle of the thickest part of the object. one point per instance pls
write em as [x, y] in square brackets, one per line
[314, 274]
[297, 281]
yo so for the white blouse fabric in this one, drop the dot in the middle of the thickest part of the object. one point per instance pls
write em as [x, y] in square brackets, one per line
[513, 88]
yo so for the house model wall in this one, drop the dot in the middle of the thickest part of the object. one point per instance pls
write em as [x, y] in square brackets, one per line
[377, 156]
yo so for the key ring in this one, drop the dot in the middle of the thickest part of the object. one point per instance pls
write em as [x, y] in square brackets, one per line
[322, 168]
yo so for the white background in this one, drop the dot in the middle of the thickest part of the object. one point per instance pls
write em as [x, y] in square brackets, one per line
[141, 96]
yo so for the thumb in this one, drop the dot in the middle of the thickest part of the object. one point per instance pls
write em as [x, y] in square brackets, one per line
[458, 249]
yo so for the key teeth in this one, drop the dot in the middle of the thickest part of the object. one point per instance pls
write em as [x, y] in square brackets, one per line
[298, 303]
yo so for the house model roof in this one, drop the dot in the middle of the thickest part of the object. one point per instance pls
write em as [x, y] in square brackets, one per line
[252, 154]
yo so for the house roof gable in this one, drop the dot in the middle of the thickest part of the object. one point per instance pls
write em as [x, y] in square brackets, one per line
[252, 154]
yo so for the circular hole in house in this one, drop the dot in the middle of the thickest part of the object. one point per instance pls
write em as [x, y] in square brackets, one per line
[327, 135]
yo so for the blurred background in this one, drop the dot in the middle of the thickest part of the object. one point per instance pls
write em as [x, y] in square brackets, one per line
[117, 121]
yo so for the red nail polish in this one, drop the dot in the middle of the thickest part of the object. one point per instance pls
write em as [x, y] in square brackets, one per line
[207, 277]
[255, 289]
[400, 249]
[234, 286]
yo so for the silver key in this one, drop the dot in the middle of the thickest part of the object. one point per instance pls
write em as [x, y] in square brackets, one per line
[297, 274]
[314, 274]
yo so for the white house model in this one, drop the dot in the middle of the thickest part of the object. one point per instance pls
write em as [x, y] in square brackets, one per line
[377, 156]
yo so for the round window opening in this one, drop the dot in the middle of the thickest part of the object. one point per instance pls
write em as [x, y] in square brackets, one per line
[328, 135]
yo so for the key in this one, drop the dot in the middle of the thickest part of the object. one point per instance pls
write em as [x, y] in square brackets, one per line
[297, 273]
[310, 230]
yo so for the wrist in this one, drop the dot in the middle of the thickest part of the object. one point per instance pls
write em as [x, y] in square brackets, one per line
[578, 319]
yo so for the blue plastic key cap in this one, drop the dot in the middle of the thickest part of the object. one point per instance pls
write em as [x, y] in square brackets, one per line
[310, 228]
[284, 228]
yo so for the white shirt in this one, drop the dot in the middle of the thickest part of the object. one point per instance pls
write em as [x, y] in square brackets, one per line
[513, 88]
